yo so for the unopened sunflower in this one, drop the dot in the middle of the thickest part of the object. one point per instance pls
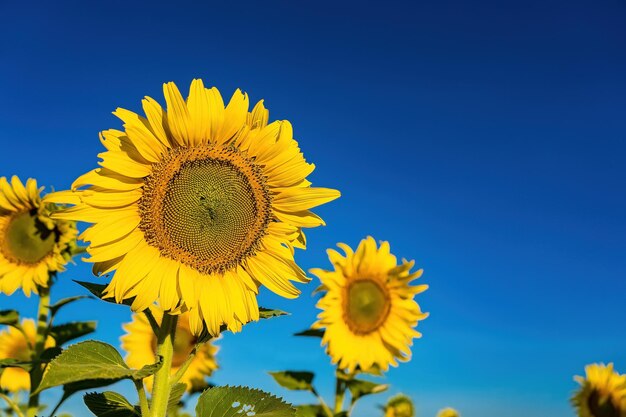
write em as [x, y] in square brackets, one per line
[399, 406]
[14, 345]
[368, 310]
[602, 392]
[140, 343]
[197, 206]
[32, 245]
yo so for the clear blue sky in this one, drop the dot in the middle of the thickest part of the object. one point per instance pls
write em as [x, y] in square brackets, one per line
[484, 139]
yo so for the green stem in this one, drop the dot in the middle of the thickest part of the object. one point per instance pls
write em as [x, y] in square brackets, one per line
[165, 349]
[143, 400]
[322, 403]
[43, 313]
[183, 368]
[340, 392]
[11, 404]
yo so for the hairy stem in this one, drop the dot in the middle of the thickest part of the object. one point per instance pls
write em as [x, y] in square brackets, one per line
[165, 349]
[322, 403]
[143, 400]
[43, 314]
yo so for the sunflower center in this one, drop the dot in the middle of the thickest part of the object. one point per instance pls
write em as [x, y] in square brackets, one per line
[26, 239]
[367, 305]
[207, 207]
[602, 408]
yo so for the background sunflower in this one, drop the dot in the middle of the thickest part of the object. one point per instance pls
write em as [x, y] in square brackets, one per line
[140, 343]
[32, 245]
[368, 311]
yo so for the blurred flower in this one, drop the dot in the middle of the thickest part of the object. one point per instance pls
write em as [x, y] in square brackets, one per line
[198, 206]
[399, 406]
[32, 245]
[140, 343]
[368, 310]
[448, 412]
[14, 345]
[602, 392]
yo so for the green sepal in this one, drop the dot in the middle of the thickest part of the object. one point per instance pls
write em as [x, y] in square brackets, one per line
[241, 401]
[311, 333]
[294, 380]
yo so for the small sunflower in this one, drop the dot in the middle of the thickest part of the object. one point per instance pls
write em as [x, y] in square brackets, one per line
[399, 406]
[602, 392]
[32, 245]
[15, 345]
[197, 206]
[140, 343]
[448, 412]
[368, 309]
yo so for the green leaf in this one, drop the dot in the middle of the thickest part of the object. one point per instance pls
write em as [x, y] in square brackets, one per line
[9, 317]
[110, 404]
[310, 410]
[176, 394]
[241, 402]
[268, 313]
[63, 333]
[91, 360]
[54, 308]
[15, 363]
[98, 291]
[294, 380]
[360, 388]
[311, 333]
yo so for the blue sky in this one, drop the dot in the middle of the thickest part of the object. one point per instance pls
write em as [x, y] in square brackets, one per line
[484, 139]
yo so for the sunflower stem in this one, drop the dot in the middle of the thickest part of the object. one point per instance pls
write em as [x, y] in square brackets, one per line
[183, 368]
[322, 403]
[43, 314]
[165, 349]
[12, 405]
[143, 400]
[340, 392]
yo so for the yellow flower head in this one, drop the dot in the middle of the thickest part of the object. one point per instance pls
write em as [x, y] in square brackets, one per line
[32, 245]
[197, 206]
[140, 343]
[602, 392]
[14, 345]
[448, 412]
[399, 406]
[368, 309]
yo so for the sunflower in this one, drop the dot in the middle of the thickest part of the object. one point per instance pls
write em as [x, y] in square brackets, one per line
[602, 392]
[140, 343]
[15, 345]
[399, 406]
[448, 412]
[197, 206]
[33, 245]
[368, 311]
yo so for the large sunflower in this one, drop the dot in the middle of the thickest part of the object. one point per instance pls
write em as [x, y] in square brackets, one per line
[140, 343]
[368, 309]
[32, 245]
[602, 392]
[197, 206]
[17, 345]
